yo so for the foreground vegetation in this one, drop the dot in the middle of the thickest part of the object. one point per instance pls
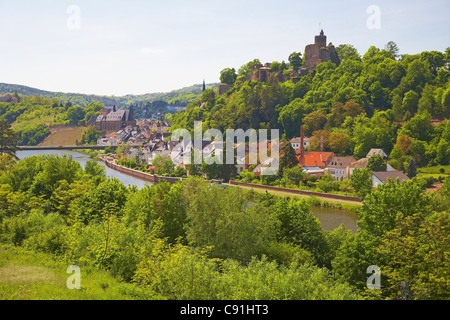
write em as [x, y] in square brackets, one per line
[191, 240]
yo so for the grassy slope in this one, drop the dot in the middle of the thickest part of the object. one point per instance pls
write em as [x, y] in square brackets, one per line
[26, 275]
[433, 171]
[64, 137]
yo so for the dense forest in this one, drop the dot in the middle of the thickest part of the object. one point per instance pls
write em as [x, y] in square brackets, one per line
[378, 100]
[191, 240]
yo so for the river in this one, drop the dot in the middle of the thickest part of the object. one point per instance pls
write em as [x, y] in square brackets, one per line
[330, 218]
[82, 159]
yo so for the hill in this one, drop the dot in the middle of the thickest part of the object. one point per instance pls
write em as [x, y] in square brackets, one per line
[179, 97]
[374, 100]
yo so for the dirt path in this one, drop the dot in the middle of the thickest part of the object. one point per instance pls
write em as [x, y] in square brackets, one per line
[354, 203]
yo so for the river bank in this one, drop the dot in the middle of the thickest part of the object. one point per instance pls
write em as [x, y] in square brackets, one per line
[82, 158]
[329, 216]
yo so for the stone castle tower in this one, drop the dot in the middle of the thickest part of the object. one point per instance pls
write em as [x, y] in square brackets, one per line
[321, 39]
[319, 52]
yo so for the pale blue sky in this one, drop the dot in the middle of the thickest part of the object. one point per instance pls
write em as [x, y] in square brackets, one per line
[136, 47]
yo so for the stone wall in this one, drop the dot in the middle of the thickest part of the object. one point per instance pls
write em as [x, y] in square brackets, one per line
[223, 88]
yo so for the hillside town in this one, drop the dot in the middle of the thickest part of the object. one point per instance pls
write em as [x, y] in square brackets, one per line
[147, 139]
[320, 172]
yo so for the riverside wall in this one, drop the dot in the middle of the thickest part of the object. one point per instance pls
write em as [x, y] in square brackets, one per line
[138, 174]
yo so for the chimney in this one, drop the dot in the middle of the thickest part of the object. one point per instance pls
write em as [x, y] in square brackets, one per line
[321, 143]
[302, 148]
[301, 141]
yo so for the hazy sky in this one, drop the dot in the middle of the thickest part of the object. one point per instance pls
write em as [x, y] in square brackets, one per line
[135, 47]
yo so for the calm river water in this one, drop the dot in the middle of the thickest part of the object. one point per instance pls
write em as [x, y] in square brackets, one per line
[330, 218]
[82, 158]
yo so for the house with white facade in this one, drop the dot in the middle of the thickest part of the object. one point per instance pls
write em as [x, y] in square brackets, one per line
[339, 167]
[296, 142]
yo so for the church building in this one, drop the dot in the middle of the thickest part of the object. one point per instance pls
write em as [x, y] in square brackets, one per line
[114, 120]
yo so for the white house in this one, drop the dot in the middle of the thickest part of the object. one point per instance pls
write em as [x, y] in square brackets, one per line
[339, 167]
[296, 142]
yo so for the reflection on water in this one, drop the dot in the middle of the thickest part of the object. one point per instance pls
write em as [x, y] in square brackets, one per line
[332, 218]
[82, 159]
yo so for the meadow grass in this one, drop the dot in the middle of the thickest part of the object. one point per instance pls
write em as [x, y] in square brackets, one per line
[27, 275]
[434, 169]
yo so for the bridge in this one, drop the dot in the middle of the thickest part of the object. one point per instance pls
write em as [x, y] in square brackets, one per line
[78, 147]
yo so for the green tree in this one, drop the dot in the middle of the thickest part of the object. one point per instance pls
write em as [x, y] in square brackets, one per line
[361, 182]
[294, 175]
[446, 101]
[223, 219]
[299, 227]
[435, 59]
[338, 142]
[275, 66]
[90, 135]
[228, 76]
[52, 170]
[314, 121]
[347, 52]
[326, 183]
[410, 102]
[412, 168]
[443, 152]
[288, 159]
[245, 69]
[414, 252]
[75, 114]
[389, 201]
[8, 139]
[94, 169]
[376, 163]
[392, 47]
[295, 60]
[104, 200]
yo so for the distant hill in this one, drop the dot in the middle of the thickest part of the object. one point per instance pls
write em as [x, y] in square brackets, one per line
[180, 97]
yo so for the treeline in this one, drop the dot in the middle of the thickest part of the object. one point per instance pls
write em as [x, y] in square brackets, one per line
[191, 240]
[378, 100]
[181, 97]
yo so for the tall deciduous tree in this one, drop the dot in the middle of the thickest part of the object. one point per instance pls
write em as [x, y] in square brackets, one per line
[415, 252]
[8, 139]
[295, 60]
[361, 181]
[228, 76]
[376, 163]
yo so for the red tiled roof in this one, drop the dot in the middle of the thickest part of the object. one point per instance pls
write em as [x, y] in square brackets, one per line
[315, 159]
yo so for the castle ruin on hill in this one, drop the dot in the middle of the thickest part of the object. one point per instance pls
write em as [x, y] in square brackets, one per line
[314, 55]
[319, 52]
